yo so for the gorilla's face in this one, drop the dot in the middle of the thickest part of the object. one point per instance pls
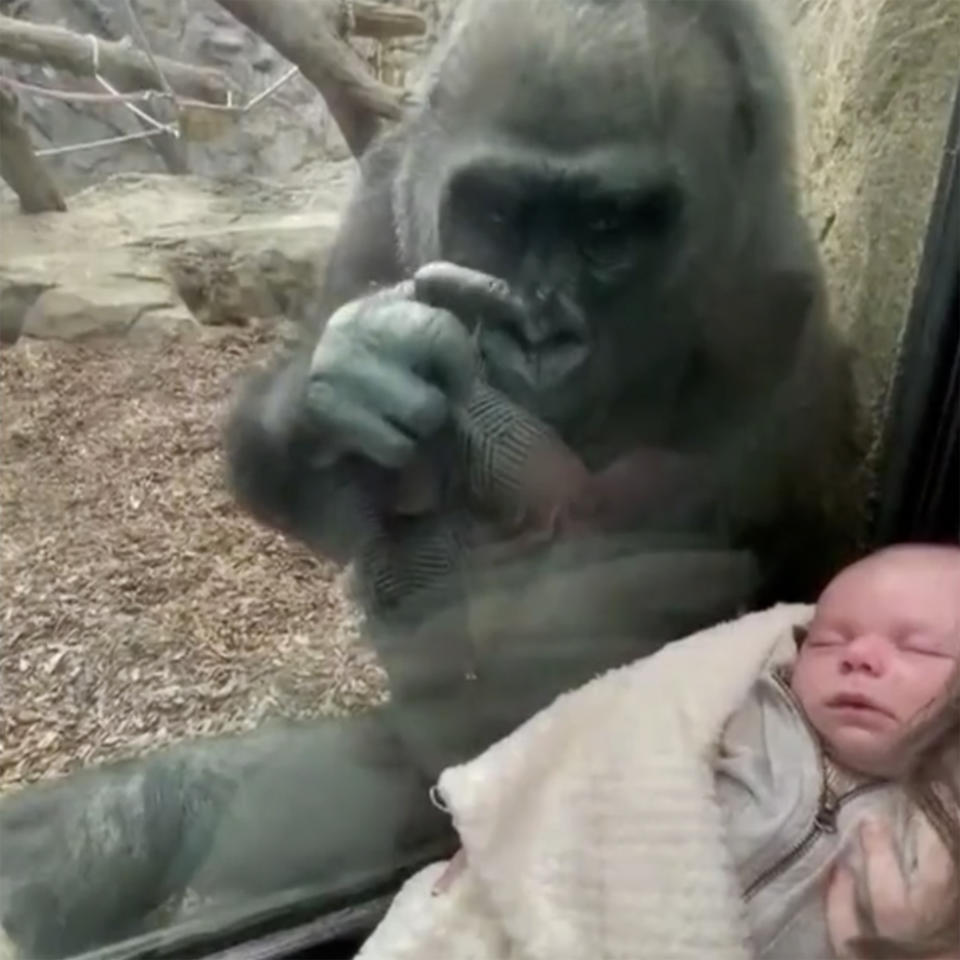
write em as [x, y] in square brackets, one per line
[600, 210]
[573, 249]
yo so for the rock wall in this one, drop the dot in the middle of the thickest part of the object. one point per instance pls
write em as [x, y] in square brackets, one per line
[174, 256]
[290, 130]
[876, 81]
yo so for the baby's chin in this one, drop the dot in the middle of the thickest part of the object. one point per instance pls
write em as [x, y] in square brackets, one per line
[863, 750]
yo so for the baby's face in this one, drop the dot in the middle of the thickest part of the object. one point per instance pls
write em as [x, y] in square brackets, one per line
[880, 654]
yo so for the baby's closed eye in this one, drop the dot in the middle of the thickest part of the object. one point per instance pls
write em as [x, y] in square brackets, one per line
[824, 638]
[926, 644]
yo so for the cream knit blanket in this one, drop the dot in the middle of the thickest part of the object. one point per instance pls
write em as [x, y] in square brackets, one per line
[592, 832]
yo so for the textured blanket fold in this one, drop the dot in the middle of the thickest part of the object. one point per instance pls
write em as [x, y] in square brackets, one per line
[593, 831]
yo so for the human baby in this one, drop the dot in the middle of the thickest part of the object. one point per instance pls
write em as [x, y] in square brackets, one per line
[839, 778]
[827, 739]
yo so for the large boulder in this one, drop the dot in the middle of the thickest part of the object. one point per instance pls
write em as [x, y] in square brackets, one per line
[156, 254]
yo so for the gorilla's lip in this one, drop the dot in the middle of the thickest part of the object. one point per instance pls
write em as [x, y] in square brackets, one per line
[541, 396]
[558, 409]
[858, 701]
[522, 364]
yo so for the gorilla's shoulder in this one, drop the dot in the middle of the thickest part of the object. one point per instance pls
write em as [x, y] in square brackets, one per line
[380, 161]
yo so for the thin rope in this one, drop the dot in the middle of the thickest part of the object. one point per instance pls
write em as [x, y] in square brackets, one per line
[129, 100]
[94, 51]
[81, 96]
[152, 121]
[272, 89]
[171, 129]
[139, 96]
[109, 141]
[145, 43]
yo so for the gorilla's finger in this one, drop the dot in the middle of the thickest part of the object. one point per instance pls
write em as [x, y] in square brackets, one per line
[399, 396]
[360, 429]
[469, 294]
[428, 340]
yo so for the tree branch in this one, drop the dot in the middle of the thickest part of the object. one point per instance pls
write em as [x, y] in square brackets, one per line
[19, 165]
[303, 31]
[385, 20]
[125, 66]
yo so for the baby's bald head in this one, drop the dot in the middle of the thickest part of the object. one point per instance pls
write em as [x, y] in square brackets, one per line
[926, 558]
[882, 651]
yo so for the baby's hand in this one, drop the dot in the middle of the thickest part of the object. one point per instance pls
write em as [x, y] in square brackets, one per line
[898, 907]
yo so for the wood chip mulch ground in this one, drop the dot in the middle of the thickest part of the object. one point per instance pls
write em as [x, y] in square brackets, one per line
[138, 606]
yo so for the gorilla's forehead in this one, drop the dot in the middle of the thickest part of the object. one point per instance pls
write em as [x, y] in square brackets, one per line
[579, 75]
[611, 168]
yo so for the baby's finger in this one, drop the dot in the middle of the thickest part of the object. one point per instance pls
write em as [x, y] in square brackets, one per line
[841, 912]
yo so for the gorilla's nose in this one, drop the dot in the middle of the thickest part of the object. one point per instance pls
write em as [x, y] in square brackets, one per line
[544, 326]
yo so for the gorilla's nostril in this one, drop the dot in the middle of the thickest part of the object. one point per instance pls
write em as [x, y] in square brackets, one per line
[564, 339]
[542, 295]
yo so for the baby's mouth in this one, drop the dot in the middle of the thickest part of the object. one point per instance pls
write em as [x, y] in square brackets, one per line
[857, 701]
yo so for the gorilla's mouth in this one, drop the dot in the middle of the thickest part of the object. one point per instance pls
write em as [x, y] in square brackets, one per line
[548, 378]
[539, 368]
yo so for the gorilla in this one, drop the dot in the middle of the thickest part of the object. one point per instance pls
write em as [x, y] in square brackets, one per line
[572, 346]
[569, 393]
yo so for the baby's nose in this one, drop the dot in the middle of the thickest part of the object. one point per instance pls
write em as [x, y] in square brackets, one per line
[867, 652]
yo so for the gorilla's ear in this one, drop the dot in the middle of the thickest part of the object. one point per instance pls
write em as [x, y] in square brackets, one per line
[800, 634]
[762, 109]
[746, 116]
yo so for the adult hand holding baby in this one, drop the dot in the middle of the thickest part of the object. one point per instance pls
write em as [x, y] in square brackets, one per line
[890, 907]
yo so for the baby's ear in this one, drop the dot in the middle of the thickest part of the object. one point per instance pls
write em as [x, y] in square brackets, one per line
[800, 634]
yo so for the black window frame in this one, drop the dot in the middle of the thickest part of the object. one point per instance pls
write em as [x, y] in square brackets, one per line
[918, 492]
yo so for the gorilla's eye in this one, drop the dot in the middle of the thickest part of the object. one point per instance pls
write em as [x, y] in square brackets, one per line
[496, 216]
[616, 232]
[657, 210]
[604, 236]
[482, 207]
[604, 226]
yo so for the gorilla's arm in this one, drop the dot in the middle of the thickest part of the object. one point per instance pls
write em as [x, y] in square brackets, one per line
[364, 256]
[271, 452]
[314, 812]
[269, 449]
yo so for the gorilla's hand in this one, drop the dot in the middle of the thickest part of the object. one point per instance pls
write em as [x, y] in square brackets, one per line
[375, 389]
[385, 373]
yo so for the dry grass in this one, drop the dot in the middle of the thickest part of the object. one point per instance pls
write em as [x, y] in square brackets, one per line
[139, 606]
